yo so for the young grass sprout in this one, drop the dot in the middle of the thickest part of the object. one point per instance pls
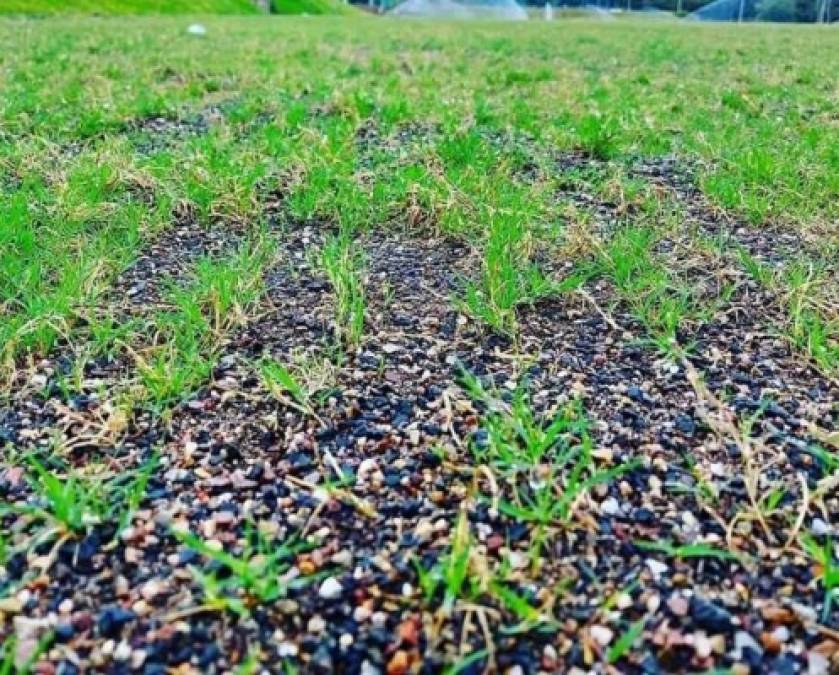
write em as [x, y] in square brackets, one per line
[259, 574]
[302, 386]
[343, 265]
[826, 564]
[547, 464]
[451, 571]
[70, 506]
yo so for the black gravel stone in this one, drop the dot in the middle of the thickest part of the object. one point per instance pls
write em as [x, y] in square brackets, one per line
[685, 424]
[64, 632]
[709, 616]
[112, 620]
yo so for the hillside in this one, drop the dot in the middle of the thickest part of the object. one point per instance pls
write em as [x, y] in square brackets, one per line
[127, 6]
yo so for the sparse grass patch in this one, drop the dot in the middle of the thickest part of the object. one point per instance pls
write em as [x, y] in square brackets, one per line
[302, 385]
[662, 301]
[343, 264]
[546, 463]
[69, 505]
[256, 575]
[218, 297]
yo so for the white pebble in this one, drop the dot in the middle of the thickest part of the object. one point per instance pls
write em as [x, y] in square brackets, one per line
[656, 567]
[330, 589]
[366, 467]
[781, 634]
[122, 652]
[819, 528]
[610, 507]
[316, 624]
[342, 557]
[151, 589]
[817, 664]
[601, 634]
[361, 614]
[138, 658]
[517, 560]
[287, 649]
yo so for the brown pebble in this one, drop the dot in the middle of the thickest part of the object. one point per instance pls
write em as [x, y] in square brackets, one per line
[770, 643]
[494, 542]
[409, 632]
[307, 567]
[777, 614]
[82, 621]
[398, 665]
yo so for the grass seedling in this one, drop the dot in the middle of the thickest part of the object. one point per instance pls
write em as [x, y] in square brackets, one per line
[687, 550]
[547, 463]
[343, 265]
[254, 576]
[451, 572]
[70, 506]
[624, 643]
[759, 271]
[826, 565]
[520, 607]
[303, 385]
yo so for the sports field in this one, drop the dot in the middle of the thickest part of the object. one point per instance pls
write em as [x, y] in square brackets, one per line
[350, 344]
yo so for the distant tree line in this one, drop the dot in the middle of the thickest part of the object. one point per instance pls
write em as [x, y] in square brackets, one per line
[803, 11]
[800, 11]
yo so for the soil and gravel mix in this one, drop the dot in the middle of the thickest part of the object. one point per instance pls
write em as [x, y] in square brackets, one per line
[375, 480]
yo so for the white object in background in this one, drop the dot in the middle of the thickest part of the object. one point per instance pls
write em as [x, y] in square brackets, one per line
[196, 29]
[549, 12]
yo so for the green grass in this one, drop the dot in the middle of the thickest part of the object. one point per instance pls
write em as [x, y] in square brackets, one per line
[826, 562]
[218, 297]
[70, 221]
[69, 505]
[450, 576]
[546, 461]
[127, 7]
[253, 576]
[343, 265]
[312, 7]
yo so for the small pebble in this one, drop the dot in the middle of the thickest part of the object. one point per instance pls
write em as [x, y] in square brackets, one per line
[601, 635]
[610, 507]
[330, 589]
